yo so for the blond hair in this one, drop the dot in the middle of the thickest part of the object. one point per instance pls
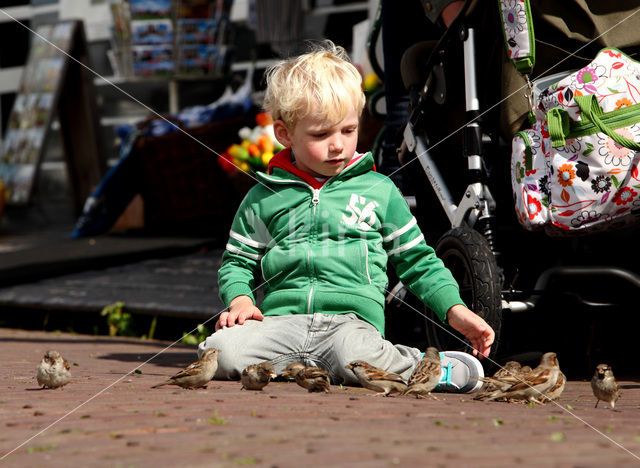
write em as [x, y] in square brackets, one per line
[323, 81]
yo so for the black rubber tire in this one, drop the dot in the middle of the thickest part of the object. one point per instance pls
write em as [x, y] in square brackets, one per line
[468, 255]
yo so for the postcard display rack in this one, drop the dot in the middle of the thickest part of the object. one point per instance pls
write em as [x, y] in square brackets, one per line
[55, 80]
[171, 38]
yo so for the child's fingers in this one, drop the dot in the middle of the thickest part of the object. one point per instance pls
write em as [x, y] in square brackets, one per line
[222, 321]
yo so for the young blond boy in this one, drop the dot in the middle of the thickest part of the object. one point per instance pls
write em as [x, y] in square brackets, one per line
[316, 234]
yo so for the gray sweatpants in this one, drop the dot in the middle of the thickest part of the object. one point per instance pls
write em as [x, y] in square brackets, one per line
[325, 340]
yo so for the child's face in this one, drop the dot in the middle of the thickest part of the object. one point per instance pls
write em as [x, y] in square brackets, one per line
[321, 149]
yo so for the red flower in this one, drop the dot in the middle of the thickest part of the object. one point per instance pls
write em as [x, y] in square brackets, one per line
[533, 207]
[624, 196]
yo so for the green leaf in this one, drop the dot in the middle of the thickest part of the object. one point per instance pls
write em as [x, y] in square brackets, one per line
[557, 436]
[614, 91]
[217, 420]
[497, 422]
[615, 181]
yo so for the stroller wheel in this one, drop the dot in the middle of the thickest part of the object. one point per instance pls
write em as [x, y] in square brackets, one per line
[467, 254]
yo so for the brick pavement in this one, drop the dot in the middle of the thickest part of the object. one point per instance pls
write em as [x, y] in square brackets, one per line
[107, 416]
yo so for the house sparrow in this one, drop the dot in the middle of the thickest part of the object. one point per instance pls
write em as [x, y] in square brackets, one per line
[312, 378]
[257, 376]
[385, 383]
[532, 386]
[554, 392]
[197, 374]
[504, 377]
[604, 385]
[426, 375]
[53, 370]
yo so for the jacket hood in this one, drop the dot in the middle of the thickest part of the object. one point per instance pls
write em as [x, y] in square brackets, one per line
[281, 166]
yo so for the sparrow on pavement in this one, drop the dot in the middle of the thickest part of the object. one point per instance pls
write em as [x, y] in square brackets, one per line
[503, 378]
[378, 380]
[604, 385]
[53, 370]
[257, 376]
[532, 386]
[426, 375]
[312, 378]
[197, 374]
[554, 392]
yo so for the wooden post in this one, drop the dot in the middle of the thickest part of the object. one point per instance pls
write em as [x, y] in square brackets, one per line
[80, 123]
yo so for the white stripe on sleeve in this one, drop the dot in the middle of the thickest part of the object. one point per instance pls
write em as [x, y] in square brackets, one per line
[400, 231]
[406, 246]
[246, 241]
[236, 250]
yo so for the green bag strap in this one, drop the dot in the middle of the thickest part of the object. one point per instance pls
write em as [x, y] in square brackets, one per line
[517, 28]
[559, 126]
[590, 110]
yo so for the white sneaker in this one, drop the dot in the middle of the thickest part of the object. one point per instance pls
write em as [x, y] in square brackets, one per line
[460, 373]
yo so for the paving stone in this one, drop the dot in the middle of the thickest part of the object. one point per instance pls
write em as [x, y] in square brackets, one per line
[109, 416]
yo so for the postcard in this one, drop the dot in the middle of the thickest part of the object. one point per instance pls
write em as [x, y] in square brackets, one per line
[151, 32]
[153, 60]
[197, 31]
[150, 9]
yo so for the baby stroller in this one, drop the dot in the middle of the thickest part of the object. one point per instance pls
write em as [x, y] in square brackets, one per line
[507, 275]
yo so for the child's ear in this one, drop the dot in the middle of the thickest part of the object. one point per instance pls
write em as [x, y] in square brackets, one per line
[281, 133]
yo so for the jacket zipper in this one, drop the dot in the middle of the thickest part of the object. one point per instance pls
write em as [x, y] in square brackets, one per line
[315, 199]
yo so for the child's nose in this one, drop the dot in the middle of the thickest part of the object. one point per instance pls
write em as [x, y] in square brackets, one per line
[335, 145]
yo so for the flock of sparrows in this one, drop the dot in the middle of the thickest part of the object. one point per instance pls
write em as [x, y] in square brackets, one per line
[511, 383]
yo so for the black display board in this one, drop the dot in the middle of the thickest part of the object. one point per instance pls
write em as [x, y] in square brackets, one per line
[54, 83]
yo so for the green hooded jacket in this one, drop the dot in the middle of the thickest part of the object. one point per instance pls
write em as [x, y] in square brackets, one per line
[323, 246]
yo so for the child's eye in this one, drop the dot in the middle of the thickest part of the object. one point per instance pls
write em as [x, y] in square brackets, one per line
[319, 135]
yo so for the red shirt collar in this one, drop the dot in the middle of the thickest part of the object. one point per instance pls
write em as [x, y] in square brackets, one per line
[282, 159]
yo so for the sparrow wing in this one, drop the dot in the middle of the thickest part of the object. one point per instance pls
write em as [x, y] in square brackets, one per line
[378, 374]
[531, 380]
[425, 370]
[313, 372]
[188, 371]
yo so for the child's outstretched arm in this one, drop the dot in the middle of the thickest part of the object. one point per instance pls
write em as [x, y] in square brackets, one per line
[241, 309]
[473, 327]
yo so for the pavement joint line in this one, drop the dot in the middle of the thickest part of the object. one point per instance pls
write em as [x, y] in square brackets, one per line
[566, 410]
[106, 80]
[116, 381]
[544, 73]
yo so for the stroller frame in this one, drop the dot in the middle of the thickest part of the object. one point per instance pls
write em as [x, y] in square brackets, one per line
[472, 238]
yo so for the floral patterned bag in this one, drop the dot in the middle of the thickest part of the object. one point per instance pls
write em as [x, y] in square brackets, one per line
[576, 169]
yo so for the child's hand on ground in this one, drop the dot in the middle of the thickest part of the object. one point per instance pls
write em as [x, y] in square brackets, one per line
[240, 309]
[473, 327]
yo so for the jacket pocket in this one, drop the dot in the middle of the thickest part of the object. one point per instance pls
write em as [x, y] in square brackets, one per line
[342, 263]
[286, 268]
